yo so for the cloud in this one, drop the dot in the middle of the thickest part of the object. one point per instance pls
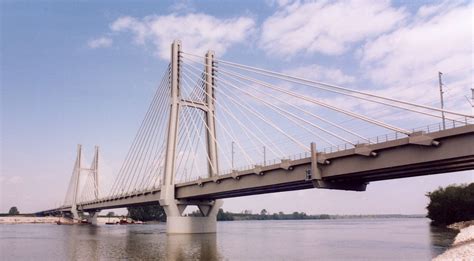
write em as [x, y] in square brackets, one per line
[10, 180]
[198, 32]
[101, 42]
[326, 27]
[278, 3]
[182, 6]
[322, 74]
[411, 56]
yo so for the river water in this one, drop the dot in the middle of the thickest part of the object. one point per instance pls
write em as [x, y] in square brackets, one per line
[340, 239]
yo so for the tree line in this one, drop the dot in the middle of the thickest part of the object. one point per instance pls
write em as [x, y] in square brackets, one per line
[451, 204]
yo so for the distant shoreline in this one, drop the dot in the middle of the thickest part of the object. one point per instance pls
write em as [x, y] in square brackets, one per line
[264, 215]
[31, 219]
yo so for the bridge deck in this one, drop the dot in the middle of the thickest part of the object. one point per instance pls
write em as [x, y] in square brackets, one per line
[346, 169]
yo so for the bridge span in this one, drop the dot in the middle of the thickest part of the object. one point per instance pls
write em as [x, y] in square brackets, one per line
[177, 157]
[439, 152]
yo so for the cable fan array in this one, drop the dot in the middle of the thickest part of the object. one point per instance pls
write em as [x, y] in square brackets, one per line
[143, 164]
[261, 114]
[90, 188]
[84, 182]
[261, 117]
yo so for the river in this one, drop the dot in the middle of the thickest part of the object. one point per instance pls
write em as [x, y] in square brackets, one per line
[339, 239]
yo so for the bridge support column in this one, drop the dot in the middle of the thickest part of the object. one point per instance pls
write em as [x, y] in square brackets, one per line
[176, 223]
[92, 219]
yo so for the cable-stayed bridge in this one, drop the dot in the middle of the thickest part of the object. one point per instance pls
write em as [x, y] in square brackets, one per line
[217, 129]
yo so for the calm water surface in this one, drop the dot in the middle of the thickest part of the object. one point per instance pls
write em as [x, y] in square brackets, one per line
[343, 239]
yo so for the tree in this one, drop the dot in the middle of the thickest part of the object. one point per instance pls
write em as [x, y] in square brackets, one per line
[111, 214]
[147, 213]
[451, 204]
[263, 214]
[224, 216]
[13, 211]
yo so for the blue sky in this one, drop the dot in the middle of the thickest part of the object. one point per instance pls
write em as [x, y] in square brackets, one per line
[84, 72]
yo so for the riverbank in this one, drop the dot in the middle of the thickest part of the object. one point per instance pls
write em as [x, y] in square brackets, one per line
[463, 245]
[33, 220]
[49, 220]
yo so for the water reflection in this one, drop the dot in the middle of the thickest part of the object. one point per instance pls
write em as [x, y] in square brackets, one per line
[362, 239]
[82, 243]
[195, 247]
[441, 238]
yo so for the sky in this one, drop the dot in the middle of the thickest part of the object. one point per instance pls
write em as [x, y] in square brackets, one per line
[84, 72]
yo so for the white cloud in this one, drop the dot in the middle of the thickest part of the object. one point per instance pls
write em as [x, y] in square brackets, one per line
[101, 42]
[182, 6]
[278, 3]
[10, 180]
[322, 74]
[406, 59]
[198, 32]
[326, 27]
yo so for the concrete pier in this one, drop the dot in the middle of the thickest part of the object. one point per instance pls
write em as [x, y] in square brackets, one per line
[176, 223]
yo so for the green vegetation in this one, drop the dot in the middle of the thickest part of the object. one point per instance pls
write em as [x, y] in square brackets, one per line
[451, 204]
[147, 213]
[157, 213]
[111, 214]
[13, 211]
[264, 215]
[224, 216]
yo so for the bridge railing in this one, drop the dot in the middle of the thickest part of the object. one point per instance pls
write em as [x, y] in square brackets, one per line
[373, 140]
[396, 135]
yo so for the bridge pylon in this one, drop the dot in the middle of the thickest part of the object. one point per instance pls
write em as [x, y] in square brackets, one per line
[75, 182]
[176, 222]
[73, 197]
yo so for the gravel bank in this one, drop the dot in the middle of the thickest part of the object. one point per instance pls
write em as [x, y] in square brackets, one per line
[49, 220]
[32, 220]
[462, 248]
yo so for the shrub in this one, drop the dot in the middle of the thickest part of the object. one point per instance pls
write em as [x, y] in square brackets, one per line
[451, 204]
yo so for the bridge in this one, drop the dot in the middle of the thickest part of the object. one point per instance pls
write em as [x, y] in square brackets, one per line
[217, 129]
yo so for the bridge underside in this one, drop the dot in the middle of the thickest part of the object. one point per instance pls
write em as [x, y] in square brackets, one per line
[346, 169]
[394, 159]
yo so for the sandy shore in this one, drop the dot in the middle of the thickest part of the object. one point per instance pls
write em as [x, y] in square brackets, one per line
[32, 220]
[462, 247]
[49, 220]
